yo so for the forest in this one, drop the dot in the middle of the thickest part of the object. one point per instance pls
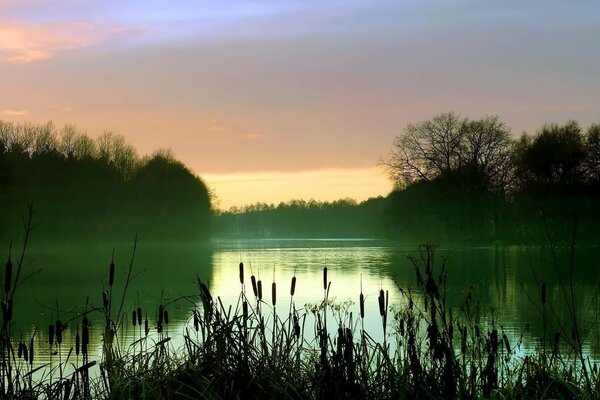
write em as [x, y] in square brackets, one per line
[457, 179]
[85, 189]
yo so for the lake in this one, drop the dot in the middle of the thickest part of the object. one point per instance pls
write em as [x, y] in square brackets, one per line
[65, 281]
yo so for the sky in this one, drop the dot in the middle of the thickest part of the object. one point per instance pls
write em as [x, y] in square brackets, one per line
[274, 100]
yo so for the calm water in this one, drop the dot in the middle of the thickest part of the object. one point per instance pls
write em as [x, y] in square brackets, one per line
[66, 281]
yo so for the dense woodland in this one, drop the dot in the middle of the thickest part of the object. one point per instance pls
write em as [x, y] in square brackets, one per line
[459, 180]
[95, 189]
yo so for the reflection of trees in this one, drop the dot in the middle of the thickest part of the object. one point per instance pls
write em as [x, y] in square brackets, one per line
[97, 188]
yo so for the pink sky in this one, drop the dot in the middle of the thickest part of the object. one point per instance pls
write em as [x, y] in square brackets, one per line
[274, 100]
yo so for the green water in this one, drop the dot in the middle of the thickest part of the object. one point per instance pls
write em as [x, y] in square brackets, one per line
[66, 281]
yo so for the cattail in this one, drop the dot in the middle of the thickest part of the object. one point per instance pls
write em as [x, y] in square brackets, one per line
[85, 335]
[274, 294]
[139, 316]
[196, 321]
[381, 303]
[134, 318]
[146, 327]
[20, 351]
[254, 289]
[245, 310]
[59, 332]
[362, 305]
[325, 278]
[161, 310]
[31, 352]
[401, 326]
[51, 334]
[25, 352]
[242, 273]
[259, 284]
[111, 273]
[77, 342]
[8, 275]
[166, 317]
[293, 288]
[543, 293]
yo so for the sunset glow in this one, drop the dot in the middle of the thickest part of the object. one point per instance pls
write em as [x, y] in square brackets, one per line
[292, 91]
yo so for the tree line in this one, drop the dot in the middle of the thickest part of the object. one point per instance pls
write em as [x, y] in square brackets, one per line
[96, 188]
[344, 218]
[457, 177]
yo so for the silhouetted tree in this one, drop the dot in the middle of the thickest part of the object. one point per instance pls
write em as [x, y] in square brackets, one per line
[475, 152]
[553, 159]
[84, 189]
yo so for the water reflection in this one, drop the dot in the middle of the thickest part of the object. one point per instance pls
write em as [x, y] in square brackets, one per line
[506, 280]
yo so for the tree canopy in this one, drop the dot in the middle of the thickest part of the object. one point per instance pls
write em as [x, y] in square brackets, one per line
[97, 188]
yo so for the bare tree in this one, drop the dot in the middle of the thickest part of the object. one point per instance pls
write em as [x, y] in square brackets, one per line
[489, 148]
[67, 139]
[426, 150]
[448, 143]
[84, 147]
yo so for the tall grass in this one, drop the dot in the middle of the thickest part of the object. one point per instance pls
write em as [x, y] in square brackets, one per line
[251, 350]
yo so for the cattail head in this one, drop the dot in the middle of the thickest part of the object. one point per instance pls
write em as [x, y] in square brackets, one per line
[20, 351]
[146, 327]
[325, 278]
[31, 351]
[77, 342]
[362, 305]
[293, 288]
[381, 299]
[51, 334]
[245, 310]
[166, 316]
[59, 329]
[8, 275]
[111, 272]
[242, 273]
[134, 318]
[254, 287]
[139, 316]
[543, 294]
[259, 287]
[161, 310]
[274, 294]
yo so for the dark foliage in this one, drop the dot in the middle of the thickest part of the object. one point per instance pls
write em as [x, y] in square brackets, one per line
[86, 189]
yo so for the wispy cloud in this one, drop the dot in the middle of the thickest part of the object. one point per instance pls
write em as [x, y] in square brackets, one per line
[24, 42]
[15, 113]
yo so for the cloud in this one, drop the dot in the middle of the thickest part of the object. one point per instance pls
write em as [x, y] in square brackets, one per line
[15, 113]
[25, 42]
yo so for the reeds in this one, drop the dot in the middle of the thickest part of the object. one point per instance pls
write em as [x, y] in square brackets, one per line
[249, 350]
